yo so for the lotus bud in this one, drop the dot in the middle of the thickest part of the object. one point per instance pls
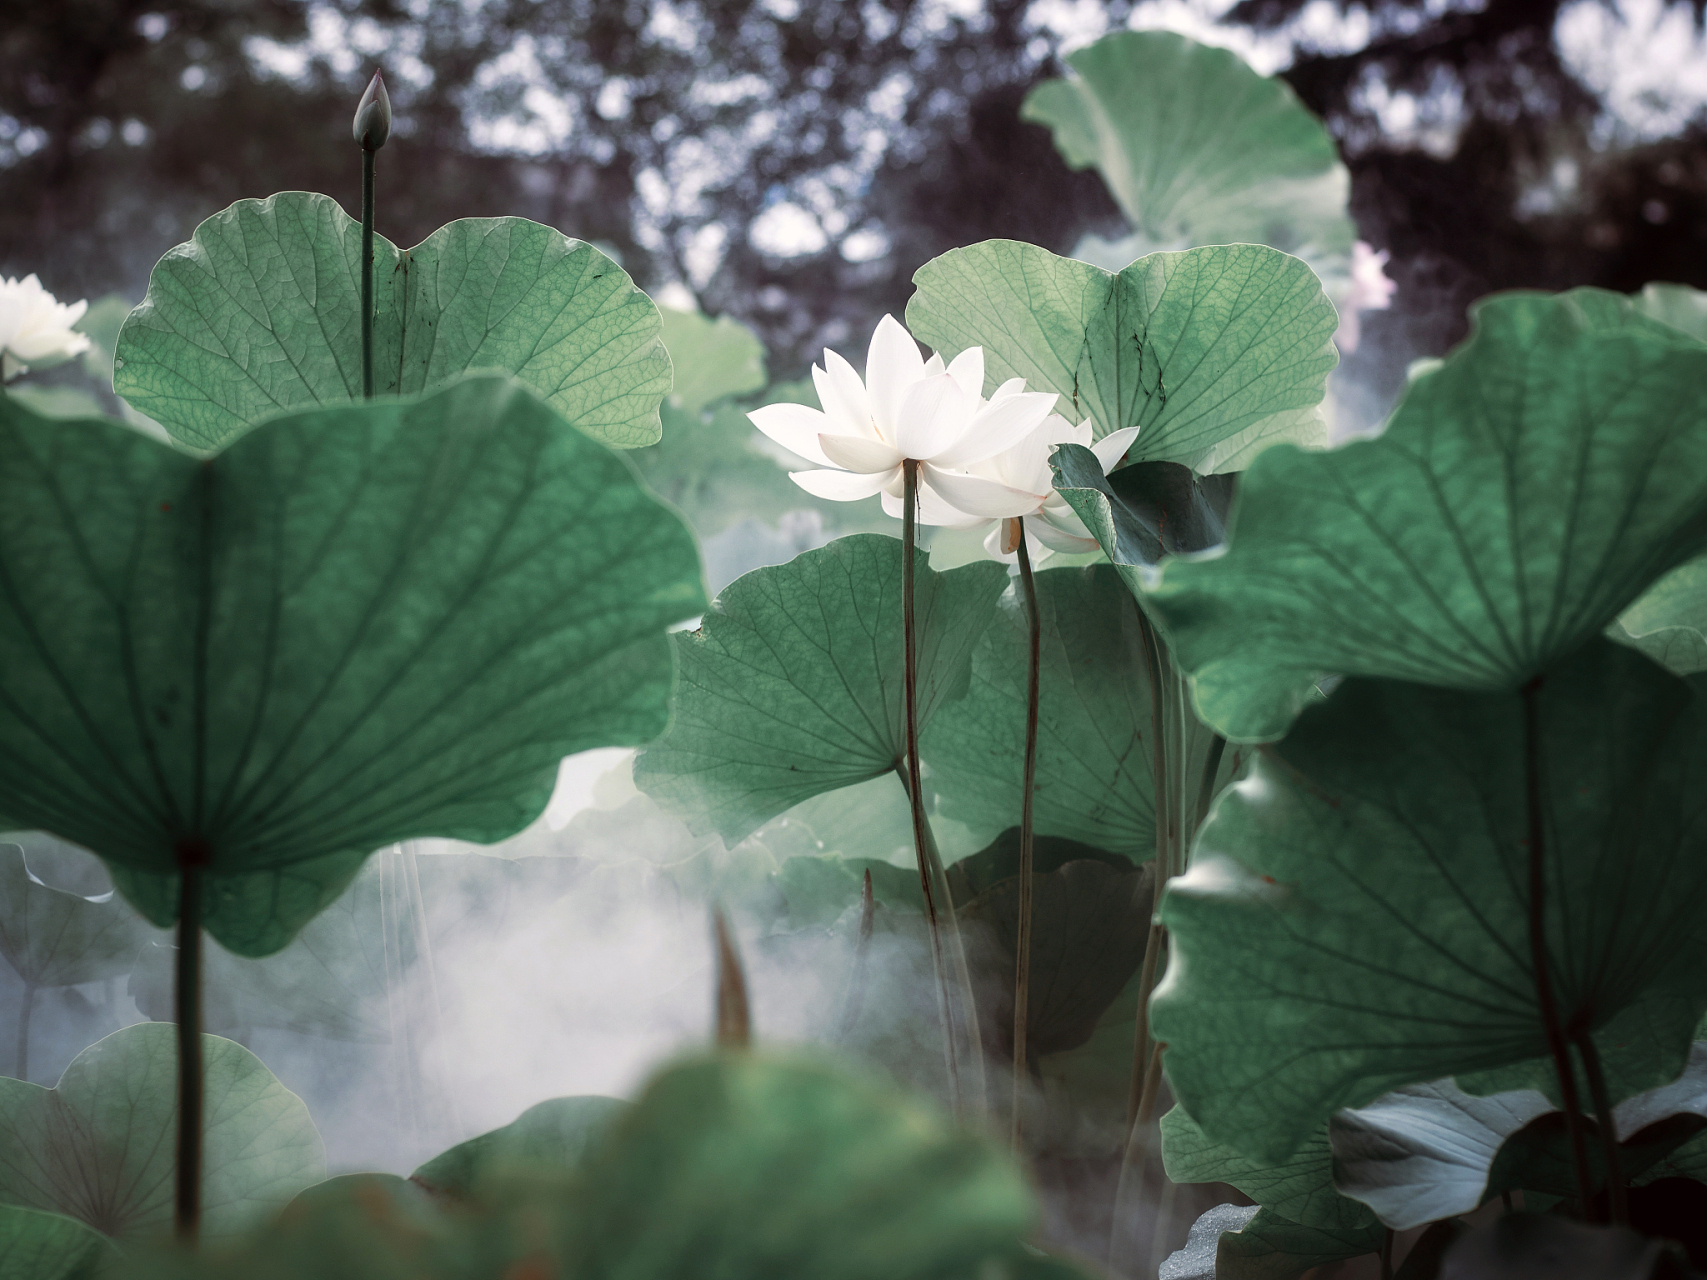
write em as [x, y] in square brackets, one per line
[373, 116]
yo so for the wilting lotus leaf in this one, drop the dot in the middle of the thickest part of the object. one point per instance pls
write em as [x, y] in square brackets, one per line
[99, 1146]
[261, 312]
[1356, 913]
[353, 626]
[1216, 353]
[793, 685]
[1523, 494]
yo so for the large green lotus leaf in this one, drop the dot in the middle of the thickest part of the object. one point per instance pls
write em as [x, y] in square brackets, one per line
[54, 938]
[1196, 146]
[792, 686]
[1095, 777]
[1216, 353]
[99, 1146]
[756, 1166]
[1356, 913]
[261, 312]
[1668, 622]
[353, 626]
[1523, 494]
[553, 1134]
[712, 359]
[1299, 1187]
[48, 1246]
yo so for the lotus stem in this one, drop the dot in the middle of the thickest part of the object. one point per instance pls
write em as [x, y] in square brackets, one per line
[367, 273]
[1159, 807]
[912, 778]
[1617, 1199]
[1538, 958]
[734, 1013]
[1387, 1254]
[1027, 863]
[22, 1070]
[861, 956]
[188, 1001]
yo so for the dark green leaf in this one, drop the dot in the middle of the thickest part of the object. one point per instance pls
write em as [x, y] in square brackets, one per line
[261, 312]
[354, 626]
[1356, 913]
[1522, 495]
[792, 686]
[1298, 1188]
[1527, 1246]
[1216, 353]
[1089, 924]
[99, 1147]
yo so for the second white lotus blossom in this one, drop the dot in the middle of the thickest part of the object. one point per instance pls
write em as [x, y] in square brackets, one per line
[36, 328]
[1050, 523]
[908, 408]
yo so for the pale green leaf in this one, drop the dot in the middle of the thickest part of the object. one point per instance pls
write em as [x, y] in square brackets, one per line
[100, 1146]
[261, 312]
[712, 358]
[1213, 352]
[1196, 146]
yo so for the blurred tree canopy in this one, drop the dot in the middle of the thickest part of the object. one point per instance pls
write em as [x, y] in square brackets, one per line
[794, 161]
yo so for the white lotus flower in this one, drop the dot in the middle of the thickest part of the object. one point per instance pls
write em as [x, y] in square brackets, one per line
[907, 408]
[35, 328]
[1370, 290]
[1050, 524]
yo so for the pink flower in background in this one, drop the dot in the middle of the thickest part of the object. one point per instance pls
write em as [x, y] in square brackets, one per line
[1370, 290]
[35, 327]
[908, 407]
